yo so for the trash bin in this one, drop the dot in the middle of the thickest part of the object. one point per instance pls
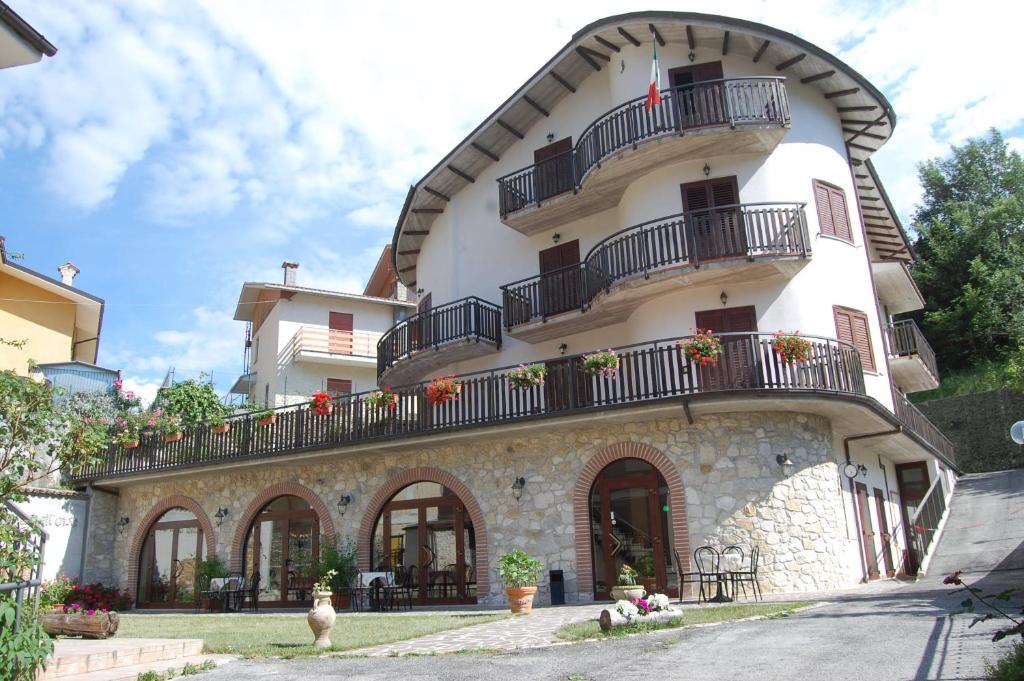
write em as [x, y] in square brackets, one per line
[557, 580]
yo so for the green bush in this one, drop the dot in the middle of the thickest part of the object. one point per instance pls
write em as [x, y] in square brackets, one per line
[191, 401]
[23, 653]
[211, 567]
[1009, 667]
[519, 569]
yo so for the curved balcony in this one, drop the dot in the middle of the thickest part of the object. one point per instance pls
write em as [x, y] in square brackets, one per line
[911, 358]
[728, 116]
[453, 332]
[727, 244]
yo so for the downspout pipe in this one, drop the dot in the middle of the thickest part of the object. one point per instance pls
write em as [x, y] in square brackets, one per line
[853, 491]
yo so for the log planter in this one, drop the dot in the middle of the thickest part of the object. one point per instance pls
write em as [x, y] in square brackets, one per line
[608, 619]
[87, 626]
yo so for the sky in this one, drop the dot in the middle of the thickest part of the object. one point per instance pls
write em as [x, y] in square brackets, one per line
[175, 149]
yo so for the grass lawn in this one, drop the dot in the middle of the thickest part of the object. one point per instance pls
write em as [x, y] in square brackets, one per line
[287, 635]
[582, 631]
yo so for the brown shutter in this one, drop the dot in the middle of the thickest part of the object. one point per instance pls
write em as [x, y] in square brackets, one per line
[696, 196]
[852, 327]
[840, 216]
[823, 202]
[339, 386]
[723, 191]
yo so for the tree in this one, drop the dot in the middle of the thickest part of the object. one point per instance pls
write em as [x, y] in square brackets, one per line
[970, 250]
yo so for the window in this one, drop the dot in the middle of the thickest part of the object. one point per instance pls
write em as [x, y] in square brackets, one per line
[339, 386]
[833, 218]
[852, 327]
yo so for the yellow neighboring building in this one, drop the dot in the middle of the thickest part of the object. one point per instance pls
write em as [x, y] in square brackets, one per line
[58, 322]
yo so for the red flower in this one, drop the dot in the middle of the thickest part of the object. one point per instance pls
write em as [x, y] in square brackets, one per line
[953, 578]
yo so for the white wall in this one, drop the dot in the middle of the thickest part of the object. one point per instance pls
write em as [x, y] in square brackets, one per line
[64, 522]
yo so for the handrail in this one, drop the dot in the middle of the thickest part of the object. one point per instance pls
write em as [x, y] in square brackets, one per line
[920, 424]
[34, 583]
[741, 230]
[925, 522]
[322, 339]
[469, 318]
[756, 101]
[905, 339]
[648, 372]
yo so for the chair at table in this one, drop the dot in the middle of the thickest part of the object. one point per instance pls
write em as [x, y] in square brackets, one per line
[358, 593]
[748, 574]
[683, 575]
[732, 561]
[708, 562]
[202, 592]
[252, 592]
[232, 591]
[402, 587]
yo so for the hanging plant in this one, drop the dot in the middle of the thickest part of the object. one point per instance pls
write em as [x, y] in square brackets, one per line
[791, 348]
[527, 376]
[443, 390]
[382, 399]
[127, 438]
[321, 404]
[704, 347]
[265, 416]
[602, 362]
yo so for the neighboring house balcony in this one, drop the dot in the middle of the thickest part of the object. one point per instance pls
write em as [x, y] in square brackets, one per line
[435, 337]
[911, 358]
[655, 379]
[711, 118]
[723, 245]
[320, 345]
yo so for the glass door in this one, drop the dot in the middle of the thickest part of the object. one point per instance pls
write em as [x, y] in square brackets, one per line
[169, 559]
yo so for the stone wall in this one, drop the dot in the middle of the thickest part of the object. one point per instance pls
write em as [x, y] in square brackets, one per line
[734, 493]
[979, 426]
[100, 541]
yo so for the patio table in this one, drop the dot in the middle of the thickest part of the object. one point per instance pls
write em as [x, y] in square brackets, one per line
[727, 564]
[369, 580]
[217, 590]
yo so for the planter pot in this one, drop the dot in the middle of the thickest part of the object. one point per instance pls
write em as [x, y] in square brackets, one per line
[520, 599]
[327, 411]
[321, 618]
[131, 444]
[173, 437]
[624, 593]
[221, 429]
[86, 626]
[341, 601]
[650, 584]
[267, 421]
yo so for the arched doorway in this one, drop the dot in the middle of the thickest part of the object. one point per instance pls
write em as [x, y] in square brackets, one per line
[629, 524]
[282, 546]
[425, 535]
[170, 552]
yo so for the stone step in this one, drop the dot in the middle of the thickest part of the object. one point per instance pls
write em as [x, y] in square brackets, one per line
[131, 672]
[73, 656]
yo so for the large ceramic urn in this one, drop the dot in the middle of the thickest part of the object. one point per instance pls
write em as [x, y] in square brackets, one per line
[321, 618]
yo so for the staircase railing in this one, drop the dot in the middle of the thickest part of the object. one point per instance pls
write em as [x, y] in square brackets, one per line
[925, 523]
[28, 586]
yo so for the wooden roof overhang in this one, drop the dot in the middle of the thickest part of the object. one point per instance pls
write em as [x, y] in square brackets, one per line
[867, 117]
[885, 235]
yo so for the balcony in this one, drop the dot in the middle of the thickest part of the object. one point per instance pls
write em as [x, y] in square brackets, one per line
[454, 332]
[730, 116]
[320, 345]
[728, 244]
[911, 359]
[657, 377]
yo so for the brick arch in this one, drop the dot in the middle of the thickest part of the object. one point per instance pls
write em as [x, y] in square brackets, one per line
[161, 507]
[280, 489]
[679, 533]
[424, 474]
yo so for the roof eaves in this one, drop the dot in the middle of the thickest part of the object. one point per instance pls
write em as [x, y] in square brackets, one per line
[24, 30]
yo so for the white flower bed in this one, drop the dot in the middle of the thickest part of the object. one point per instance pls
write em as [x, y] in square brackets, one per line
[653, 608]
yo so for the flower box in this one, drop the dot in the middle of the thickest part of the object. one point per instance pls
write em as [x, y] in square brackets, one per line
[791, 348]
[173, 437]
[129, 444]
[221, 428]
[382, 399]
[602, 363]
[443, 390]
[526, 377]
[320, 404]
[267, 420]
[703, 348]
[98, 625]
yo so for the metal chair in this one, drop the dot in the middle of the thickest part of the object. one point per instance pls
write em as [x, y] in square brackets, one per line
[202, 591]
[682, 575]
[358, 593]
[738, 577]
[252, 592]
[708, 562]
[232, 591]
[732, 556]
[402, 587]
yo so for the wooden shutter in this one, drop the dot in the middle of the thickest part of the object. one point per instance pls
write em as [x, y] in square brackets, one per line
[728, 319]
[833, 218]
[339, 386]
[852, 327]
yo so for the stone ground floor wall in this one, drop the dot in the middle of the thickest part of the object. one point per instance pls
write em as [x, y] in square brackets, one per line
[725, 487]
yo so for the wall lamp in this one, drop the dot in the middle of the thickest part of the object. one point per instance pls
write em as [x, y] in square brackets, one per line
[419, 292]
[220, 515]
[562, 348]
[785, 463]
[551, 137]
[517, 488]
[707, 170]
[691, 56]
[556, 237]
[343, 501]
[122, 525]
[724, 297]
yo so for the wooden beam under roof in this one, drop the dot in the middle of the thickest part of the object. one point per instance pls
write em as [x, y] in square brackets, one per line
[657, 34]
[866, 187]
[486, 152]
[761, 50]
[434, 192]
[413, 252]
[842, 93]
[845, 109]
[689, 37]
[536, 106]
[407, 269]
[873, 208]
[885, 234]
[607, 43]
[790, 62]
[587, 58]
[461, 173]
[427, 211]
[861, 147]
[594, 53]
[628, 36]
[818, 76]
[416, 232]
[869, 198]
[865, 133]
[563, 82]
[855, 121]
[725, 43]
[510, 128]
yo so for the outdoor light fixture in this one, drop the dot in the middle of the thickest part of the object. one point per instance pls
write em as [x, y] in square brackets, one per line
[122, 524]
[1017, 432]
[863, 470]
[517, 488]
[562, 348]
[724, 297]
[220, 515]
[556, 237]
[785, 463]
[691, 56]
[551, 137]
[343, 503]
[707, 170]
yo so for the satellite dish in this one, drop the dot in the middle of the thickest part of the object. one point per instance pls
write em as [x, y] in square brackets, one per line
[1017, 432]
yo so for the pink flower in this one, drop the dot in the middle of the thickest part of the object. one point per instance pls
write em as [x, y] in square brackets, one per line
[129, 395]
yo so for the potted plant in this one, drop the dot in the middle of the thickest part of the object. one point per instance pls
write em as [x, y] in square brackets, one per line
[265, 416]
[645, 571]
[384, 398]
[627, 588]
[169, 426]
[219, 423]
[342, 560]
[704, 347]
[790, 347]
[603, 362]
[528, 376]
[443, 390]
[127, 438]
[520, 571]
[321, 404]
[321, 616]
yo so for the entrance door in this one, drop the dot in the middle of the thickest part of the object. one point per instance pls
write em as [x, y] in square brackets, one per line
[699, 106]
[714, 221]
[553, 170]
[883, 526]
[283, 546]
[170, 553]
[561, 285]
[737, 366]
[423, 332]
[913, 482]
[339, 334]
[867, 532]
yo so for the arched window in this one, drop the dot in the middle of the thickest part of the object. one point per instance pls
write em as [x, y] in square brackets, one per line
[167, 563]
[282, 546]
[425, 536]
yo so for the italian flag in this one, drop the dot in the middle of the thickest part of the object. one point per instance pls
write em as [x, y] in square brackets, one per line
[654, 90]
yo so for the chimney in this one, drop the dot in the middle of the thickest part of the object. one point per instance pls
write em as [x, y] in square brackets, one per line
[67, 273]
[289, 268]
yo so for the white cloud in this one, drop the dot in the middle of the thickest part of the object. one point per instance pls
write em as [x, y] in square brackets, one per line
[145, 391]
